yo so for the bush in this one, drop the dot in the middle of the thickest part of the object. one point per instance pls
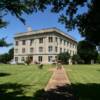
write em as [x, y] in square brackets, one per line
[64, 57]
[40, 66]
[76, 59]
[28, 60]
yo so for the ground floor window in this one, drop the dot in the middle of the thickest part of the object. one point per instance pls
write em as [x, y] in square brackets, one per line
[40, 58]
[49, 58]
[16, 59]
[23, 59]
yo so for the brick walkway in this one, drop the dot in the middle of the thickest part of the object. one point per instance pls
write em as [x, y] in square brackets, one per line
[58, 87]
[59, 78]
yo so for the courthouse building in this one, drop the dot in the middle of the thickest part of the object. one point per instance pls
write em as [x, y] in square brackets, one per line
[42, 45]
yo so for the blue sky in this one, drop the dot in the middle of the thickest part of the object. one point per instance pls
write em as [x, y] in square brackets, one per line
[36, 21]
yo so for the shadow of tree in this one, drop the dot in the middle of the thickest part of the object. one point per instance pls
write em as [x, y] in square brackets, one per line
[60, 93]
[13, 91]
[90, 91]
[4, 74]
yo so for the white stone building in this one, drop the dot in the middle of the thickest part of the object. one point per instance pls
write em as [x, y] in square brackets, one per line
[42, 45]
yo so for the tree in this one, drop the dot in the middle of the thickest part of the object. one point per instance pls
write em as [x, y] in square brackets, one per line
[87, 23]
[15, 8]
[3, 43]
[64, 57]
[5, 58]
[76, 59]
[98, 58]
[87, 51]
[11, 53]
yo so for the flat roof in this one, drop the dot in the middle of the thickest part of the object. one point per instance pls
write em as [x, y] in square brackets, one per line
[54, 29]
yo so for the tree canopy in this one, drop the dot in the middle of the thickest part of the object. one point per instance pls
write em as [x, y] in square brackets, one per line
[5, 58]
[87, 23]
[87, 51]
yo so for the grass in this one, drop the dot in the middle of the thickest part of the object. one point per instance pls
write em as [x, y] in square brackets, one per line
[21, 82]
[85, 80]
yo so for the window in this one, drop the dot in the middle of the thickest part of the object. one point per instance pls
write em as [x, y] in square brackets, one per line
[16, 59]
[64, 42]
[64, 50]
[68, 43]
[23, 42]
[60, 41]
[40, 49]
[22, 59]
[31, 50]
[16, 43]
[49, 58]
[55, 57]
[31, 42]
[40, 40]
[56, 39]
[50, 39]
[16, 50]
[23, 50]
[70, 52]
[40, 58]
[56, 49]
[60, 49]
[50, 49]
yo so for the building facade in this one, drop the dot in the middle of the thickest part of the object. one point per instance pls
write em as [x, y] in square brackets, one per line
[43, 45]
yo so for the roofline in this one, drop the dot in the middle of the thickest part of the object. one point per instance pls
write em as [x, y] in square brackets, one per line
[45, 30]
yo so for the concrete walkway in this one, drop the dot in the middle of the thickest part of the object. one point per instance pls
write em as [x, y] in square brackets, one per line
[58, 87]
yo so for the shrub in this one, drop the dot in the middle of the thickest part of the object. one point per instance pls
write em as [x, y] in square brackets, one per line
[64, 57]
[28, 60]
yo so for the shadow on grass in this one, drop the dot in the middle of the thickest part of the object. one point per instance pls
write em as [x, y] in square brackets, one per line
[13, 91]
[4, 74]
[77, 91]
[60, 93]
[90, 91]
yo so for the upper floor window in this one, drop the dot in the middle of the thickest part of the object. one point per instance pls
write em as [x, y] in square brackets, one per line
[60, 49]
[16, 43]
[67, 43]
[40, 49]
[56, 49]
[56, 39]
[50, 39]
[31, 50]
[23, 42]
[23, 50]
[40, 40]
[64, 42]
[50, 48]
[31, 42]
[16, 50]
[60, 41]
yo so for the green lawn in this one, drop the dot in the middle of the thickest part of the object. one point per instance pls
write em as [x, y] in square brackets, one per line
[21, 82]
[85, 81]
